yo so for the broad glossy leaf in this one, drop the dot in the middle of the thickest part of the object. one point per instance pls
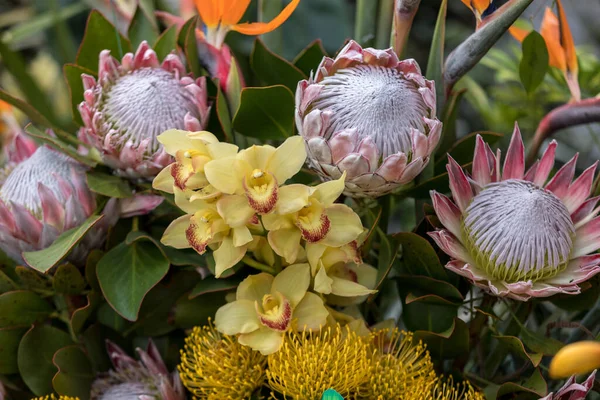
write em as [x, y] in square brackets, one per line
[36, 350]
[187, 41]
[22, 308]
[142, 27]
[534, 63]
[421, 285]
[100, 35]
[535, 386]
[81, 315]
[272, 69]
[211, 284]
[166, 42]
[309, 59]
[448, 118]
[451, 343]
[72, 74]
[32, 279]
[59, 144]
[516, 346]
[9, 345]
[266, 113]
[196, 312]
[43, 260]
[126, 274]
[540, 343]
[108, 185]
[223, 114]
[68, 280]
[75, 375]
[419, 257]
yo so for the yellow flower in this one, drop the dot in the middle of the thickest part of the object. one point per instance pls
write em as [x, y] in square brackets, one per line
[310, 214]
[203, 226]
[265, 308]
[253, 177]
[398, 366]
[53, 397]
[561, 46]
[222, 16]
[442, 389]
[192, 150]
[478, 7]
[311, 362]
[339, 272]
[216, 366]
[575, 358]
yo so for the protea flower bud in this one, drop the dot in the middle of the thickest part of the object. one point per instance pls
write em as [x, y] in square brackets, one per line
[43, 197]
[147, 379]
[371, 115]
[133, 102]
[514, 233]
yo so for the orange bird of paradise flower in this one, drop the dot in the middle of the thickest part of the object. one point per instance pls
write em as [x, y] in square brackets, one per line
[561, 48]
[478, 7]
[222, 16]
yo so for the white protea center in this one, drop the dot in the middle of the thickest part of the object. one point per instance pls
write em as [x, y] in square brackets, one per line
[378, 102]
[517, 231]
[145, 103]
[43, 167]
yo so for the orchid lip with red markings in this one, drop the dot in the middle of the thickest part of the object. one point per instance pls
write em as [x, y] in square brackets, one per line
[513, 232]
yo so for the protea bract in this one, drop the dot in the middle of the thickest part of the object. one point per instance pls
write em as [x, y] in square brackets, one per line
[369, 114]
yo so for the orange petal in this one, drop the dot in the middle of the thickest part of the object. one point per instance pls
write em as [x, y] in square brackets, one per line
[210, 11]
[234, 12]
[259, 28]
[566, 38]
[480, 5]
[550, 31]
[519, 33]
[5, 107]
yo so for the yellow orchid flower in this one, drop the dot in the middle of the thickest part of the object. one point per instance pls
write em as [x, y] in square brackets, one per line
[266, 307]
[576, 358]
[203, 227]
[253, 177]
[309, 214]
[478, 7]
[561, 47]
[192, 150]
[222, 16]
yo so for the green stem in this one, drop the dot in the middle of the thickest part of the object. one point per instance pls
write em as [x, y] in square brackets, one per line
[259, 266]
[364, 24]
[135, 224]
[384, 24]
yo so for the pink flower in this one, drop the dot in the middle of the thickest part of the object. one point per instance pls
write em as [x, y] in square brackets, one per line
[517, 234]
[573, 390]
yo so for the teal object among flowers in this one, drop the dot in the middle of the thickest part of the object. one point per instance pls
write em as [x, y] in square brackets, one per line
[331, 394]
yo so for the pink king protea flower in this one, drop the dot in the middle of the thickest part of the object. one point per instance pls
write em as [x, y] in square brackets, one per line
[133, 102]
[514, 233]
[44, 196]
[371, 115]
[572, 390]
[147, 379]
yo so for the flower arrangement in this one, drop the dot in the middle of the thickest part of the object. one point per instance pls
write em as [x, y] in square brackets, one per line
[198, 214]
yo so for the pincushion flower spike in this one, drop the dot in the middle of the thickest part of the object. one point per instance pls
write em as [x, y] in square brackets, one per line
[371, 115]
[252, 178]
[44, 196]
[266, 307]
[517, 234]
[222, 16]
[561, 47]
[202, 227]
[130, 379]
[309, 214]
[135, 100]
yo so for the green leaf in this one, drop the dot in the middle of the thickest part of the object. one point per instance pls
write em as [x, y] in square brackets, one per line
[166, 42]
[449, 344]
[540, 343]
[7, 284]
[422, 285]
[419, 315]
[100, 35]
[43, 260]
[188, 313]
[36, 350]
[435, 63]
[211, 284]
[234, 87]
[81, 315]
[449, 116]
[534, 385]
[309, 59]
[187, 41]
[31, 112]
[142, 27]
[126, 274]
[22, 308]
[108, 185]
[388, 252]
[68, 280]
[272, 69]
[75, 375]
[9, 346]
[223, 114]
[72, 74]
[463, 150]
[534, 64]
[419, 257]
[515, 345]
[266, 113]
[365, 22]
[16, 66]
[184, 257]
[32, 279]
[59, 145]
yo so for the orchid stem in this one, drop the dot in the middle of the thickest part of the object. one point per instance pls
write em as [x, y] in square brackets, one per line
[259, 266]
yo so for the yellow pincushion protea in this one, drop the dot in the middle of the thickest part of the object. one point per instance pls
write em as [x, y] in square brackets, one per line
[53, 397]
[216, 366]
[309, 363]
[445, 389]
[398, 366]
